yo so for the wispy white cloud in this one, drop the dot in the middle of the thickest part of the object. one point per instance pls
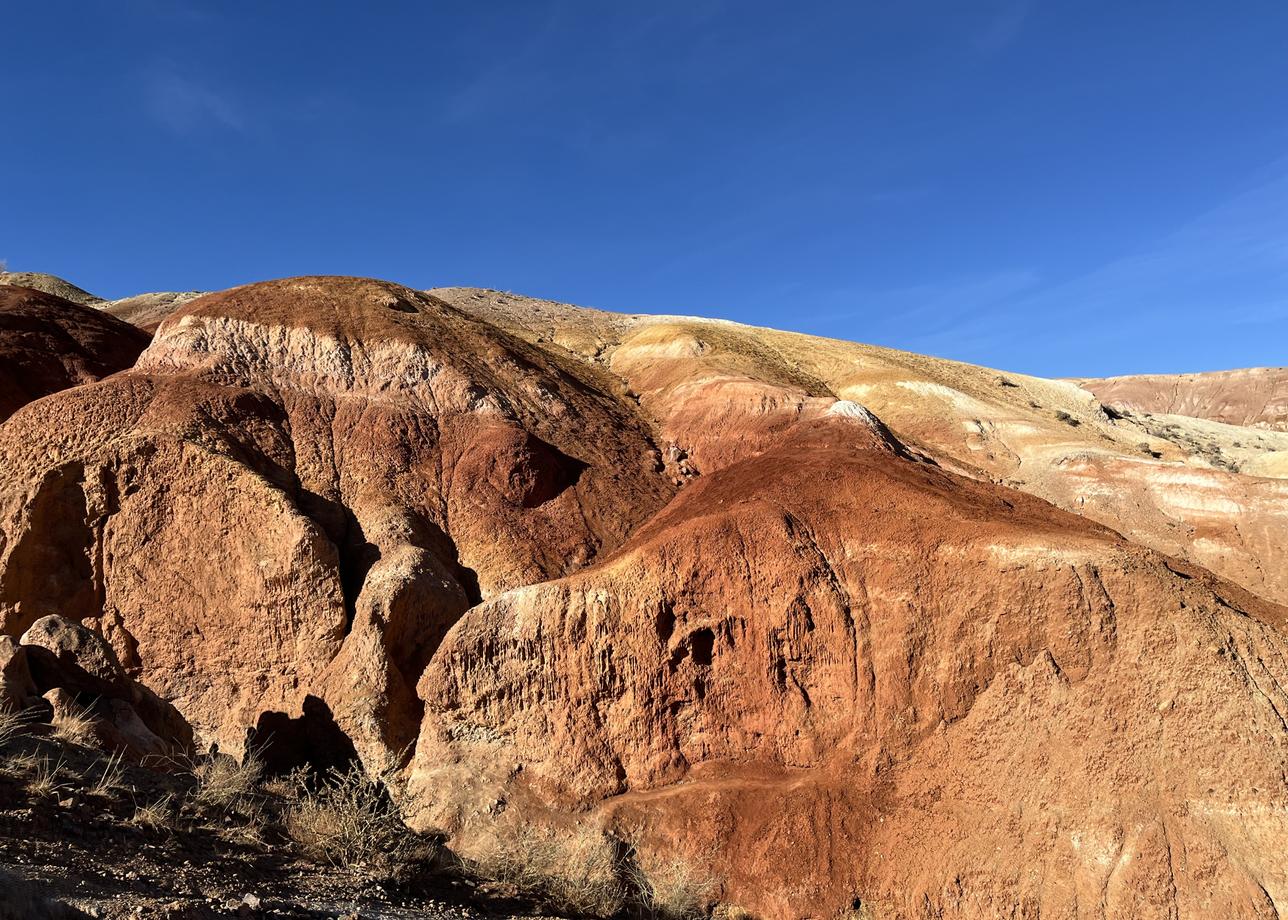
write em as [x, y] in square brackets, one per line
[188, 106]
[1227, 267]
[1235, 252]
[898, 195]
[1003, 29]
[508, 77]
[938, 305]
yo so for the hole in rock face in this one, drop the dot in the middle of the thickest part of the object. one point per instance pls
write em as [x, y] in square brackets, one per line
[468, 579]
[312, 741]
[665, 622]
[704, 644]
[357, 556]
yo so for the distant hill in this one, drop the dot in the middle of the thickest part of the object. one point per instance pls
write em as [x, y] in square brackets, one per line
[51, 284]
[1255, 396]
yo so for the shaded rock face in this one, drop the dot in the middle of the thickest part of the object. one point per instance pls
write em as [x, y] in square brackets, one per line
[782, 608]
[48, 344]
[1256, 397]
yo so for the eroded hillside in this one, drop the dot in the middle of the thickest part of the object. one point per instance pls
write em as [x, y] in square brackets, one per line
[826, 624]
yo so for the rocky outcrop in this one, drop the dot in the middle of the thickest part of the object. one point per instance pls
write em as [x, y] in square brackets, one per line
[61, 670]
[836, 676]
[791, 611]
[48, 344]
[1256, 397]
[314, 478]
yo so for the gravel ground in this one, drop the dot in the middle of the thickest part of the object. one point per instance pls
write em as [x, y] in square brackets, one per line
[67, 843]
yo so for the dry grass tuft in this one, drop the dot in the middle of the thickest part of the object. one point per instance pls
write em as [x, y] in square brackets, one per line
[21, 764]
[13, 722]
[74, 726]
[223, 781]
[110, 781]
[44, 777]
[577, 871]
[158, 815]
[349, 821]
[675, 890]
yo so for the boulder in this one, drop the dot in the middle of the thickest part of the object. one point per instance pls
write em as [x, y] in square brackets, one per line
[66, 654]
[17, 689]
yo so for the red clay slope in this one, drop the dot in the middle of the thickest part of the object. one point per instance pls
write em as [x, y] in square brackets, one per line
[1255, 396]
[800, 661]
[830, 675]
[48, 344]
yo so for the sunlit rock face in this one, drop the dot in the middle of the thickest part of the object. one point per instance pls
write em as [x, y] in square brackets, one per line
[300, 487]
[1255, 397]
[832, 624]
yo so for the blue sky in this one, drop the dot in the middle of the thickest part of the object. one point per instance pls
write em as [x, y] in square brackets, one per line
[1050, 187]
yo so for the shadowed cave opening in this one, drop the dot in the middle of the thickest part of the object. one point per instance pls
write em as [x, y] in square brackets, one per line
[312, 741]
[356, 555]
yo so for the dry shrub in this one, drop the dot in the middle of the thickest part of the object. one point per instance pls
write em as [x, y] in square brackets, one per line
[577, 871]
[348, 820]
[247, 828]
[223, 781]
[675, 890]
[288, 787]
